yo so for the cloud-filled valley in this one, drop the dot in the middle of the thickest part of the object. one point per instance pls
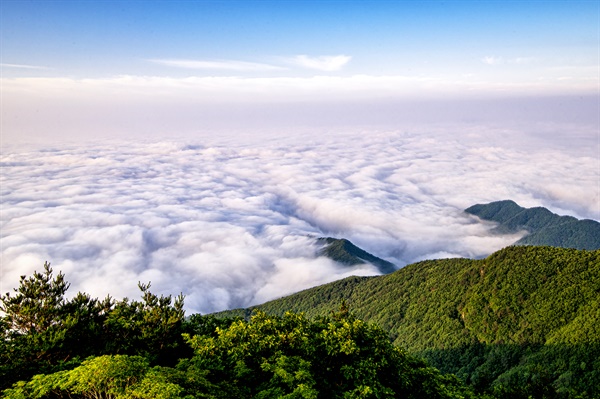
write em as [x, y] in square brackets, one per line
[230, 223]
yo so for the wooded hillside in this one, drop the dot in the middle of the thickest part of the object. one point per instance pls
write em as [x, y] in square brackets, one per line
[53, 347]
[542, 226]
[524, 316]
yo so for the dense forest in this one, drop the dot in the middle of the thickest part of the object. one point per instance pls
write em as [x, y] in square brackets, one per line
[542, 227]
[53, 347]
[521, 323]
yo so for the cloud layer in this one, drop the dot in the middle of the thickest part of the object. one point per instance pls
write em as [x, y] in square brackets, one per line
[227, 221]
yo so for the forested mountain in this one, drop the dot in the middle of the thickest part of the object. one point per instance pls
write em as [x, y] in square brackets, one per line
[543, 227]
[54, 347]
[344, 252]
[523, 321]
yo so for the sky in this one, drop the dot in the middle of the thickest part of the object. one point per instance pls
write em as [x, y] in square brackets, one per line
[429, 39]
[119, 66]
[203, 145]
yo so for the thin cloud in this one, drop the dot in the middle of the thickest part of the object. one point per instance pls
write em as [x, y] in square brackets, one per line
[22, 66]
[326, 63]
[226, 65]
[491, 60]
[22, 95]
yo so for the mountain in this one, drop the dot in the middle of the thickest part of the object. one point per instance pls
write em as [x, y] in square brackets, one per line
[542, 226]
[524, 316]
[344, 252]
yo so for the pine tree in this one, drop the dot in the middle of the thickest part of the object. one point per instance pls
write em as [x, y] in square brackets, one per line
[37, 304]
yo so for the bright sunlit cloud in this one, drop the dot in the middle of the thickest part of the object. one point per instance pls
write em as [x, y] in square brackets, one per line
[321, 63]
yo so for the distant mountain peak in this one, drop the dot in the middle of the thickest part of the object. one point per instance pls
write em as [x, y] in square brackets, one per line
[542, 226]
[345, 252]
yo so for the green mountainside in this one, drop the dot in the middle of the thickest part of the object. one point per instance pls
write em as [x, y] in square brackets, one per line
[524, 316]
[543, 227]
[346, 253]
[53, 347]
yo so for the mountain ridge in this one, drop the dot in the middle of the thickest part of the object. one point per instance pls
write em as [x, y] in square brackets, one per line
[486, 320]
[345, 252]
[543, 227]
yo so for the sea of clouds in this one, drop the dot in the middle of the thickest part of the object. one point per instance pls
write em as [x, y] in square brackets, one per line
[230, 221]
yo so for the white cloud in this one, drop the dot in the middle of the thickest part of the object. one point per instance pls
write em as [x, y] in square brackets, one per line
[227, 65]
[326, 63]
[491, 60]
[227, 220]
[21, 66]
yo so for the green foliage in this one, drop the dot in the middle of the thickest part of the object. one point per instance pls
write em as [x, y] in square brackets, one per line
[118, 376]
[155, 384]
[111, 375]
[151, 327]
[330, 357]
[521, 323]
[42, 332]
[580, 234]
[36, 307]
[543, 226]
[520, 309]
[198, 324]
[35, 326]
[266, 357]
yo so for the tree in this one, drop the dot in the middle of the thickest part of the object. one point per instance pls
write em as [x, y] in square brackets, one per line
[151, 327]
[36, 306]
[332, 357]
[110, 377]
[32, 326]
[42, 332]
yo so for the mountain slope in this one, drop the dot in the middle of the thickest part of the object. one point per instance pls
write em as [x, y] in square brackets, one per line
[343, 251]
[543, 227]
[487, 320]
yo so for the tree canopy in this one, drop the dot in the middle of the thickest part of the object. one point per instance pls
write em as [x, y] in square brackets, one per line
[526, 312]
[521, 323]
[84, 348]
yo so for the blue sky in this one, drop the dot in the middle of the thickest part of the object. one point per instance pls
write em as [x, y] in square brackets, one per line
[292, 51]
[100, 38]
